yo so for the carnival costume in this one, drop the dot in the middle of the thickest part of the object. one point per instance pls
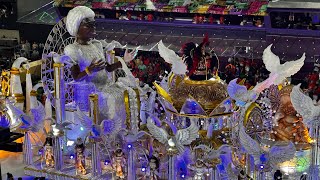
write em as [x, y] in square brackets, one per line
[111, 101]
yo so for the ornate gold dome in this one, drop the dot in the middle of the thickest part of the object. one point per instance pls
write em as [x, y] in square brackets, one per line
[209, 94]
[204, 96]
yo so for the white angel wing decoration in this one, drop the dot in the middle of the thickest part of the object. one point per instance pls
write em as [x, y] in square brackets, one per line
[130, 138]
[85, 121]
[270, 60]
[281, 153]
[250, 145]
[158, 133]
[178, 66]
[186, 136]
[303, 105]
[111, 127]
[235, 90]
[292, 67]
[280, 71]
[240, 93]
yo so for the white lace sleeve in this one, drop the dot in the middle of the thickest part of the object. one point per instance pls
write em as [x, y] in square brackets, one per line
[70, 51]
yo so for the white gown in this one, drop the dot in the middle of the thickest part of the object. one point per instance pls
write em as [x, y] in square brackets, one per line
[111, 100]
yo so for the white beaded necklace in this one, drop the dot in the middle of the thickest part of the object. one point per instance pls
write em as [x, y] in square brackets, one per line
[90, 51]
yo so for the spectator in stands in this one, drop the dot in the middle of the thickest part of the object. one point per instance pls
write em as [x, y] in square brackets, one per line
[35, 45]
[142, 67]
[230, 71]
[35, 55]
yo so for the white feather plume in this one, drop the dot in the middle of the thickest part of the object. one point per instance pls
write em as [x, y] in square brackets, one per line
[178, 66]
[279, 72]
[303, 105]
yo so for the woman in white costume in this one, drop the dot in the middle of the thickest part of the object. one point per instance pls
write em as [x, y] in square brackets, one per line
[88, 62]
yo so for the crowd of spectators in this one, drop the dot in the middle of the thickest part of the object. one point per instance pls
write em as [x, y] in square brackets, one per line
[312, 84]
[286, 20]
[149, 67]
[31, 51]
[251, 71]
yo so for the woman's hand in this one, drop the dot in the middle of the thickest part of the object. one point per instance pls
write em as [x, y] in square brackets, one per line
[96, 65]
[130, 56]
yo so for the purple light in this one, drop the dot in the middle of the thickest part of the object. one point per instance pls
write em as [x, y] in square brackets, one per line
[143, 169]
[129, 146]
[71, 156]
[261, 166]
[183, 176]
[106, 162]
[4, 122]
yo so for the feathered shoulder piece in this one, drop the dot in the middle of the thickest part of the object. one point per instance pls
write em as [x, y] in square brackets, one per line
[192, 54]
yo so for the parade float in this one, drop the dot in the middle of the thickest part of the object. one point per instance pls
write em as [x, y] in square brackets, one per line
[107, 128]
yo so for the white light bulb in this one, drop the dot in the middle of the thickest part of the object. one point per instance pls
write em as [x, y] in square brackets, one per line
[171, 143]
